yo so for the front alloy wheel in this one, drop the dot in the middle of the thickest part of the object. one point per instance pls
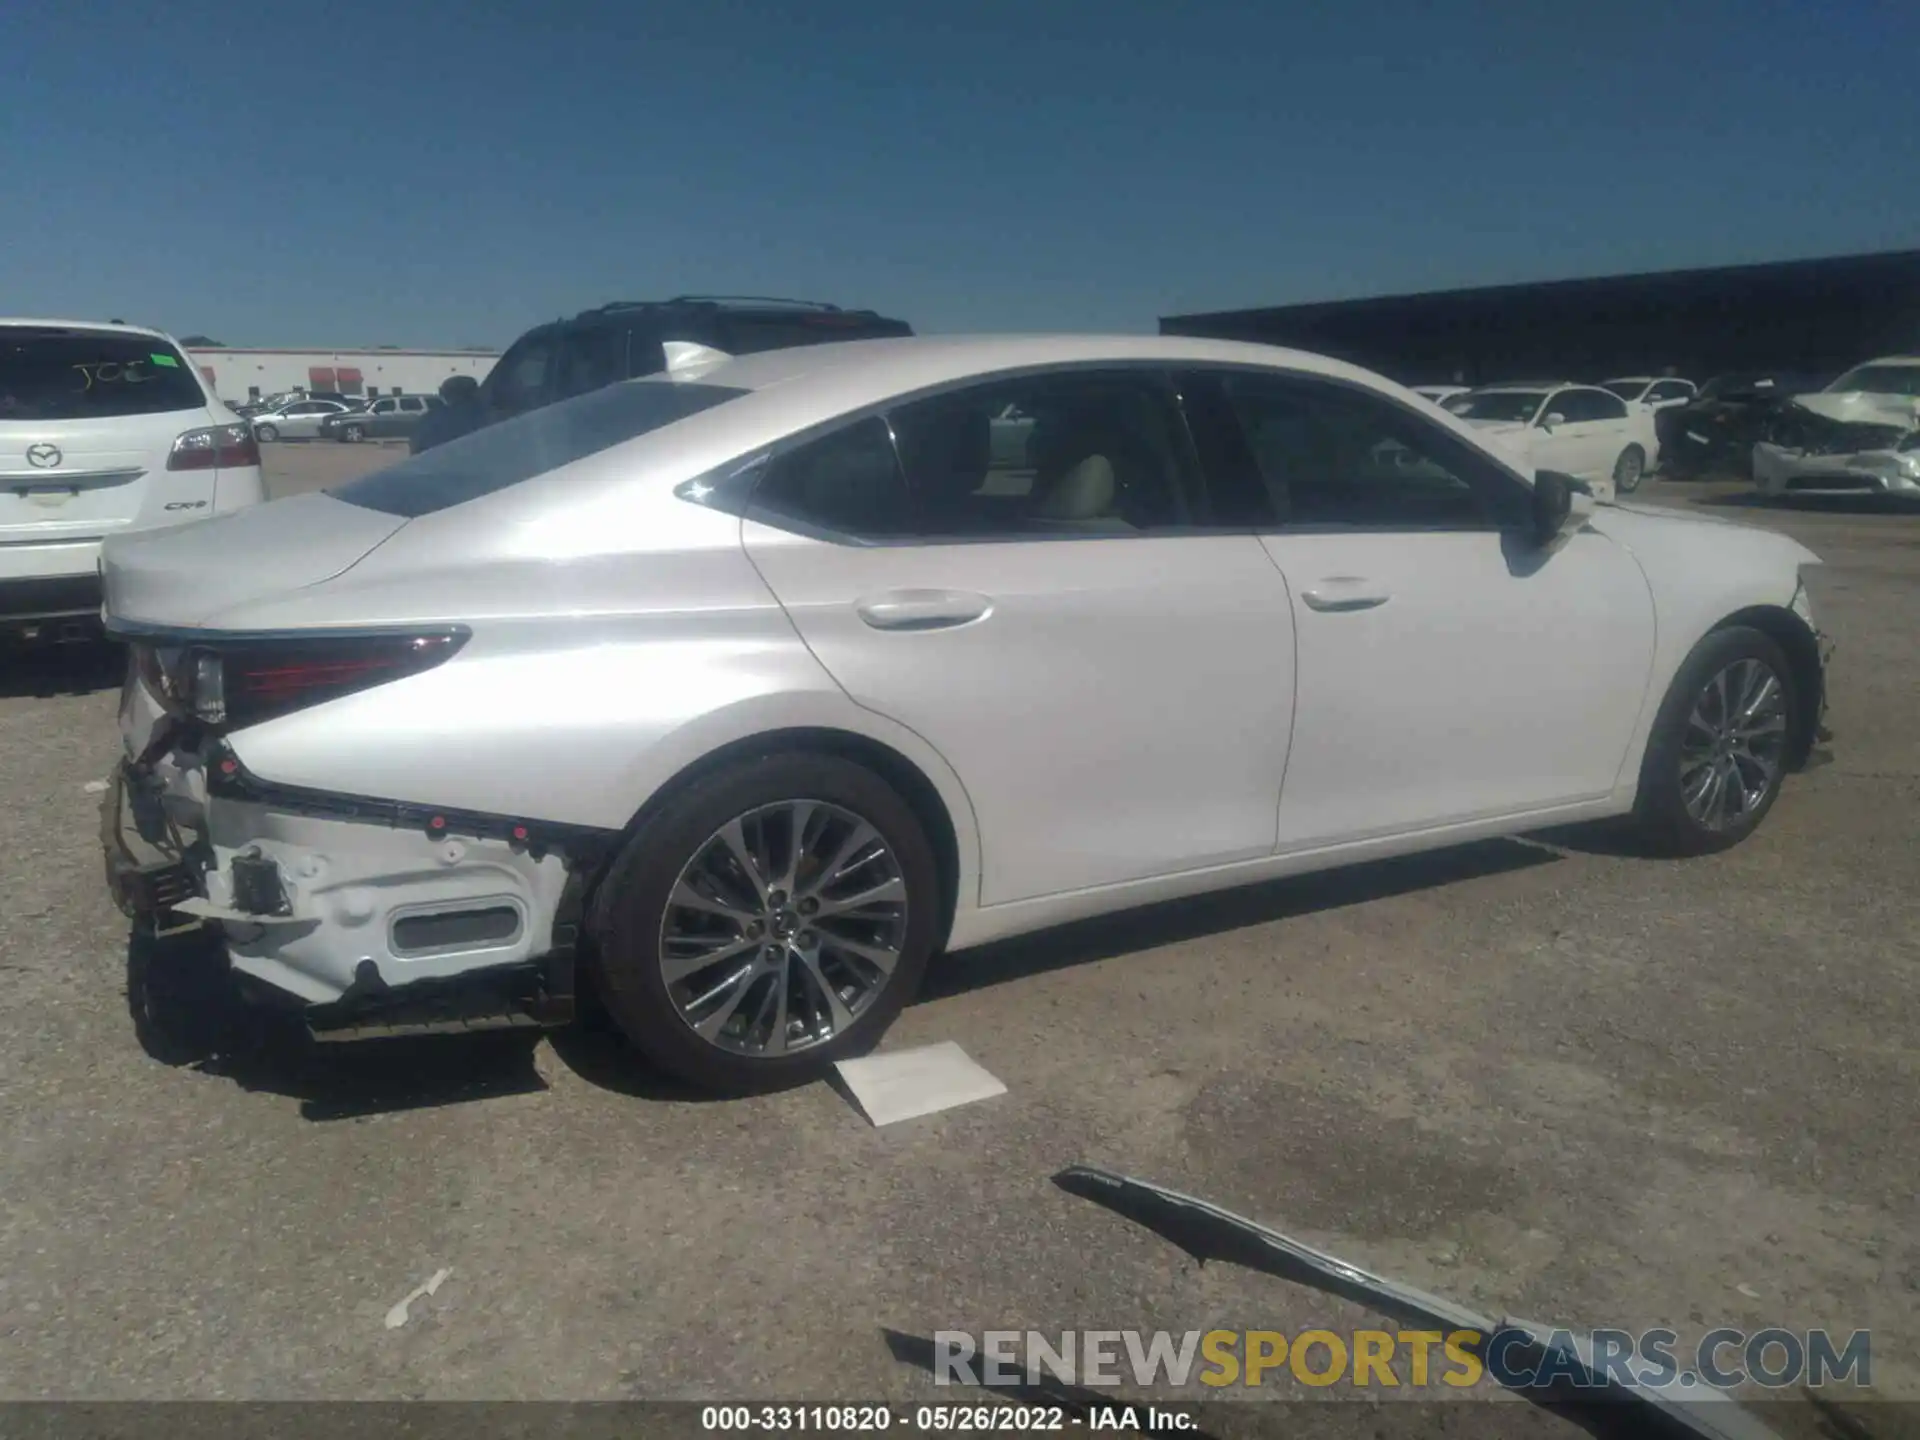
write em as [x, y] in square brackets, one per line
[783, 928]
[1735, 745]
[1721, 745]
[1628, 470]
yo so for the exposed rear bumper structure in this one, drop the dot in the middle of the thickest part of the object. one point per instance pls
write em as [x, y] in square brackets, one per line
[370, 920]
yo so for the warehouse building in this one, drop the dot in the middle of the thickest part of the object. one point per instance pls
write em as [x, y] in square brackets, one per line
[239, 375]
[1802, 316]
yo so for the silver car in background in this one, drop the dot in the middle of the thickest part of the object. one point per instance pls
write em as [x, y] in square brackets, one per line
[296, 419]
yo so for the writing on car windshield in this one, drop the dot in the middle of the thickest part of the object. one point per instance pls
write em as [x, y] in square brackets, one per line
[61, 374]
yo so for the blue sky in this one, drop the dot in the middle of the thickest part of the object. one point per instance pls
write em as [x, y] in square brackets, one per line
[424, 173]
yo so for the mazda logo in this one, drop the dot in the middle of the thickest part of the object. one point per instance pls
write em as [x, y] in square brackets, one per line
[43, 457]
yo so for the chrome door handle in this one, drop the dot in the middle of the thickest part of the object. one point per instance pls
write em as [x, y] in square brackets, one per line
[922, 609]
[1338, 593]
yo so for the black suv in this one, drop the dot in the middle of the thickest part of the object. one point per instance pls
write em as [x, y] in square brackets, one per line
[626, 339]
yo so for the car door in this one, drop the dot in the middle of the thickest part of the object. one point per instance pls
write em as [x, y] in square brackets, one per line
[522, 379]
[1108, 673]
[408, 413]
[1563, 435]
[379, 418]
[1448, 670]
[302, 421]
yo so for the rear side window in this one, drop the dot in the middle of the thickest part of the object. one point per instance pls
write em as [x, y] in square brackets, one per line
[498, 456]
[62, 374]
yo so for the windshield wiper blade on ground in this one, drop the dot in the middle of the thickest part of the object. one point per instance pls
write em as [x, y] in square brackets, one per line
[1594, 1399]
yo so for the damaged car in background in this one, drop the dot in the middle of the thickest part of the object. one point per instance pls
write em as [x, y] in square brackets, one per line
[1859, 436]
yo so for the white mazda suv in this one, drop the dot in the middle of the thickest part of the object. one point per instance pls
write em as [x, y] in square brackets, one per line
[740, 691]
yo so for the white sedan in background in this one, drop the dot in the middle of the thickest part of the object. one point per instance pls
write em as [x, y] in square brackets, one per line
[747, 687]
[1579, 430]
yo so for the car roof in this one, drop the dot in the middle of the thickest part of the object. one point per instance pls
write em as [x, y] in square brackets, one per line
[39, 322]
[1636, 379]
[1520, 387]
[1888, 360]
[849, 374]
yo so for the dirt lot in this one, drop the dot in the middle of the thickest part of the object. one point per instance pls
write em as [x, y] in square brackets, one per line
[1539, 1078]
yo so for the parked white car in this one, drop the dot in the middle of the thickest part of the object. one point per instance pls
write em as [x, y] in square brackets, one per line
[750, 687]
[103, 429]
[1439, 394]
[1579, 430]
[1656, 392]
[1859, 436]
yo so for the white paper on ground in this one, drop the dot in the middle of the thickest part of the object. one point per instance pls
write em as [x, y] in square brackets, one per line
[904, 1083]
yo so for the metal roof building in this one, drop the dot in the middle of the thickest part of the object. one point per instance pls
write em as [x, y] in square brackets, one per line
[1800, 315]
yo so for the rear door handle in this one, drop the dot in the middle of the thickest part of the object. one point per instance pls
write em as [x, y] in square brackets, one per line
[922, 609]
[1339, 593]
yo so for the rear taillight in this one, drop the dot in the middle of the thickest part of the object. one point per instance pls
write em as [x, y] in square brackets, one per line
[237, 684]
[215, 448]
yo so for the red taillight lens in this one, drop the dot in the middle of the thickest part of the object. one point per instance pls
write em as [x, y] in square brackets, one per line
[215, 448]
[243, 684]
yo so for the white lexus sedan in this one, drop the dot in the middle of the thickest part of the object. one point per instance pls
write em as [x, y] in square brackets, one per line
[743, 689]
[1581, 430]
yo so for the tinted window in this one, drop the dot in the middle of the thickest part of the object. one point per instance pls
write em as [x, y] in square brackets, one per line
[1669, 390]
[498, 456]
[848, 482]
[590, 357]
[1517, 406]
[48, 374]
[1336, 456]
[1627, 389]
[1582, 405]
[1089, 452]
[383, 407]
[413, 403]
[519, 381]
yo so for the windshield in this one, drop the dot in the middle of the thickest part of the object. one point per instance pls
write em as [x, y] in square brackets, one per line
[1627, 389]
[62, 374]
[1510, 405]
[541, 440]
[1879, 380]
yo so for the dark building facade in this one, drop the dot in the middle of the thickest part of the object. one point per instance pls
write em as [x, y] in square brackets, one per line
[1805, 316]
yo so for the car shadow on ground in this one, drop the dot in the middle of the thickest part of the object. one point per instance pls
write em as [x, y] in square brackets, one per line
[79, 667]
[1129, 931]
[187, 1012]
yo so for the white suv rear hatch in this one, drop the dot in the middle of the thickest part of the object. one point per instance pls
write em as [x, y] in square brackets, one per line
[91, 418]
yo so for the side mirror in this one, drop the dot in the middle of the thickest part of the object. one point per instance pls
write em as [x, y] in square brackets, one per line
[1561, 505]
[1556, 418]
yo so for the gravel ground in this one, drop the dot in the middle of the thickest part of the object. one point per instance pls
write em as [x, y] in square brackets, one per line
[1537, 1077]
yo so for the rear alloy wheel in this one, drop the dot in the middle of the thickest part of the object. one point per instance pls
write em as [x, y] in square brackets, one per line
[1629, 469]
[770, 920]
[1720, 745]
[266, 434]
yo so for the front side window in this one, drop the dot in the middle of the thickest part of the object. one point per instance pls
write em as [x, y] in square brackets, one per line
[520, 381]
[1086, 452]
[1582, 405]
[1626, 389]
[54, 373]
[590, 357]
[1335, 456]
[383, 407]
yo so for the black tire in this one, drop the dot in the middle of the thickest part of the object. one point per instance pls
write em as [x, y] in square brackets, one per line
[630, 908]
[266, 434]
[1629, 470]
[1661, 819]
[352, 434]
